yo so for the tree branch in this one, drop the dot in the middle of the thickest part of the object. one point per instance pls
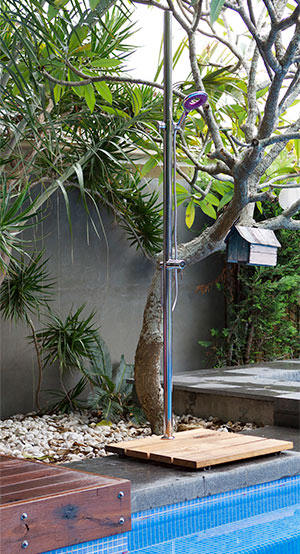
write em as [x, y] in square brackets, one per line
[284, 220]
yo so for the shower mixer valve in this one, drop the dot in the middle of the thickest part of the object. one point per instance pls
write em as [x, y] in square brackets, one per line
[173, 264]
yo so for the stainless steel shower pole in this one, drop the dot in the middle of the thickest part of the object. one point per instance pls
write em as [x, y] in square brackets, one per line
[167, 203]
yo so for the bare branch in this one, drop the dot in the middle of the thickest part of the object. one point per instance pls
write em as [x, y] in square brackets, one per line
[268, 60]
[279, 138]
[262, 197]
[291, 93]
[249, 126]
[88, 80]
[208, 114]
[284, 220]
[211, 169]
[273, 182]
[197, 15]
[152, 3]
[222, 40]
[178, 17]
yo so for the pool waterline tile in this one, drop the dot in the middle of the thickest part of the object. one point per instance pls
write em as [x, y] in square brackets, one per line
[214, 524]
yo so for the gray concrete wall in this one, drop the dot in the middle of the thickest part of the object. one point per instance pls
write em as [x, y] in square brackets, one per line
[113, 281]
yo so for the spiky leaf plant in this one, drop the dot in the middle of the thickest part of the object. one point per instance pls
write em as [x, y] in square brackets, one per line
[26, 289]
[72, 343]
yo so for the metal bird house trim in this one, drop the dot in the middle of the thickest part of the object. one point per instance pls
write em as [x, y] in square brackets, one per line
[252, 246]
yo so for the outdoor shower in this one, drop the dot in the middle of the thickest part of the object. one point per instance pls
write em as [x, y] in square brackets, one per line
[171, 263]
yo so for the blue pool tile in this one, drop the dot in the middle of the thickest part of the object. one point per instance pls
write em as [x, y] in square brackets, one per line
[263, 519]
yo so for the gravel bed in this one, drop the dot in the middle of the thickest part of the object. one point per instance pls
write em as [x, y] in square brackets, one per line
[73, 437]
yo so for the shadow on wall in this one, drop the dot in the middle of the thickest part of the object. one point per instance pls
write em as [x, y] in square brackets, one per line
[113, 280]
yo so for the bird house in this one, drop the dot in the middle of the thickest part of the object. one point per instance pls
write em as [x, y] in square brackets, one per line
[252, 246]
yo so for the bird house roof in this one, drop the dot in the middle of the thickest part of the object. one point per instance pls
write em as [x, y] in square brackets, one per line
[253, 235]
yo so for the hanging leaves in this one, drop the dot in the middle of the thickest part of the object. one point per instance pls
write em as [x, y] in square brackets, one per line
[215, 9]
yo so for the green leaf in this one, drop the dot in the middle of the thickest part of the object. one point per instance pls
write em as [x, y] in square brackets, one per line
[208, 209]
[136, 101]
[106, 62]
[104, 91]
[114, 111]
[93, 4]
[215, 9]
[226, 198]
[52, 12]
[212, 199]
[205, 343]
[190, 214]
[259, 206]
[261, 92]
[150, 164]
[89, 96]
[78, 90]
[297, 148]
[77, 37]
[58, 92]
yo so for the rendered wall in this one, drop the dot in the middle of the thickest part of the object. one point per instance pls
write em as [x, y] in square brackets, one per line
[118, 298]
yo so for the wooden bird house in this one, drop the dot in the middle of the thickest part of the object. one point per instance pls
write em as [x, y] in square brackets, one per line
[252, 246]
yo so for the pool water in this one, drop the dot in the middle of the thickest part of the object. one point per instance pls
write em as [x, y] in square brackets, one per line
[263, 519]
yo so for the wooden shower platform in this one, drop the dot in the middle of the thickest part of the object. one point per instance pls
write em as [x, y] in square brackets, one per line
[199, 448]
[44, 507]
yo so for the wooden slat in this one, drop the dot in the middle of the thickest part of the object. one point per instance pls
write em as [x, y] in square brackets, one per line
[41, 485]
[232, 454]
[121, 447]
[204, 448]
[64, 506]
[200, 448]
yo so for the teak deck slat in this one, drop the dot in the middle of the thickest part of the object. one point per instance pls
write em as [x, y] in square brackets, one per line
[199, 448]
[63, 506]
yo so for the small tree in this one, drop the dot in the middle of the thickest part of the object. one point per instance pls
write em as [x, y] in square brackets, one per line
[231, 149]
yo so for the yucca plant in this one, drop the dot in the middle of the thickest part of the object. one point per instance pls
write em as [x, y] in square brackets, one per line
[26, 289]
[72, 343]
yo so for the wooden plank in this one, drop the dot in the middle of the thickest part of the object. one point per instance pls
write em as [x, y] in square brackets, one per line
[63, 506]
[234, 453]
[262, 255]
[62, 521]
[205, 447]
[187, 443]
[121, 447]
[41, 484]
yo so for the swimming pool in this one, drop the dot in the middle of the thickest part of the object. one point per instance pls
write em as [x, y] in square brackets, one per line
[263, 519]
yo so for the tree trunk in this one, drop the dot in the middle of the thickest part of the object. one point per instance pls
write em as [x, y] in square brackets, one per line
[148, 352]
[147, 358]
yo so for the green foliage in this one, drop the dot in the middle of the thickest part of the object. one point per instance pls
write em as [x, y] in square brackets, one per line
[75, 344]
[26, 288]
[262, 310]
[83, 136]
[71, 342]
[15, 216]
[111, 393]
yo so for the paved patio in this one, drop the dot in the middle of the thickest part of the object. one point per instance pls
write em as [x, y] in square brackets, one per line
[267, 393]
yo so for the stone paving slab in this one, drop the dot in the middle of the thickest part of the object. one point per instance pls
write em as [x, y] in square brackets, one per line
[253, 380]
[273, 388]
[154, 485]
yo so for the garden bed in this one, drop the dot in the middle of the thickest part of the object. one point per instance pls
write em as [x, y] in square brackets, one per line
[73, 437]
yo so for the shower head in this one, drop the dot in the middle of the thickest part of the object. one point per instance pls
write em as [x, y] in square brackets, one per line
[194, 100]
